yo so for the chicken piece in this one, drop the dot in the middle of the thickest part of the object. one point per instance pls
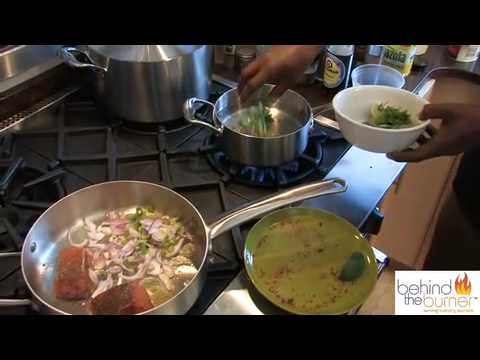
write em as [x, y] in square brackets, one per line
[187, 250]
[185, 272]
[73, 281]
[157, 290]
[179, 260]
[126, 299]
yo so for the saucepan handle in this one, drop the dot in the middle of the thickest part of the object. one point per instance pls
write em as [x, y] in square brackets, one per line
[326, 122]
[189, 113]
[276, 201]
[68, 54]
[13, 302]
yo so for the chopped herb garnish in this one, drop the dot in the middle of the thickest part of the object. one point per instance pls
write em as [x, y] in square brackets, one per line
[143, 246]
[389, 117]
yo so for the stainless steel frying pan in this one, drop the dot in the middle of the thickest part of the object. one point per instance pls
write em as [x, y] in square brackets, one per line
[49, 234]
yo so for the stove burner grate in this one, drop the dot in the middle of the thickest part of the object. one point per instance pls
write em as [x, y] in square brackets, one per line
[270, 177]
[25, 192]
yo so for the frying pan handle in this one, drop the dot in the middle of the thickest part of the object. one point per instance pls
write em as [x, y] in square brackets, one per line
[270, 203]
[13, 302]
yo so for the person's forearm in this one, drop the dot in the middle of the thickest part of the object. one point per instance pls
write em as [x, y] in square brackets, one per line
[308, 52]
[314, 50]
[283, 65]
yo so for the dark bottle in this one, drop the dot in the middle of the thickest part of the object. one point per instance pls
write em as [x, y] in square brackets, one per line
[337, 67]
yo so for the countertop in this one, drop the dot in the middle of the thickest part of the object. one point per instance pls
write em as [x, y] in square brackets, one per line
[369, 177]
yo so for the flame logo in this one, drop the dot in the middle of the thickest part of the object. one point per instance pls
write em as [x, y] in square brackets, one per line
[463, 287]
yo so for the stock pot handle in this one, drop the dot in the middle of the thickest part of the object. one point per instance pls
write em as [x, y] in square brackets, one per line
[189, 113]
[68, 54]
[13, 302]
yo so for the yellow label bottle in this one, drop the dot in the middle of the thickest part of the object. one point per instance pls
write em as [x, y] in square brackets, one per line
[338, 64]
[399, 57]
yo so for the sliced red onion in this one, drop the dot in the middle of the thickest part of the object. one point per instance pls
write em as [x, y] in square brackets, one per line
[127, 250]
[84, 263]
[157, 237]
[114, 269]
[90, 254]
[103, 286]
[119, 229]
[90, 226]
[115, 254]
[177, 248]
[105, 230]
[159, 226]
[141, 269]
[157, 223]
[132, 232]
[168, 270]
[80, 244]
[146, 223]
[128, 270]
[154, 268]
[158, 257]
[150, 255]
[111, 215]
[117, 261]
[93, 244]
[138, 275]
[99, 263]
[166, 281]
[93, 276]
[95, 235]
[161, 234]
[122, 265]
[118, 221]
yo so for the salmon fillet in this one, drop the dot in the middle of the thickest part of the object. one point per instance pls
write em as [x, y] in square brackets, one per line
[125, 299]
[73, 282]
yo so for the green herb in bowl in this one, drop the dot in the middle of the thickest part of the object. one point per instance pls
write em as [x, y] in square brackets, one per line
[390, 117]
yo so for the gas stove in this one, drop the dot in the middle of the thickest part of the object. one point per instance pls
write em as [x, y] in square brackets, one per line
[75, 144]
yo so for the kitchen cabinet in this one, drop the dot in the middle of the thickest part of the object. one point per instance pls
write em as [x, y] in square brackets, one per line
[411, 208]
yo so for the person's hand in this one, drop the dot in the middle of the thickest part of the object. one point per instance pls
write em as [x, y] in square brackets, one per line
[459, 132]
[283, 65]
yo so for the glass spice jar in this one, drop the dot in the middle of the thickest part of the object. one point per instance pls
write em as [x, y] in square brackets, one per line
[244, 57]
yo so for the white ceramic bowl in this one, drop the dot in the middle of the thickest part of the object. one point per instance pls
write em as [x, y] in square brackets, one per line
[352, 109]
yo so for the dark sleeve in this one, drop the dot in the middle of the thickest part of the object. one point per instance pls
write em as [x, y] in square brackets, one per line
[467, 185]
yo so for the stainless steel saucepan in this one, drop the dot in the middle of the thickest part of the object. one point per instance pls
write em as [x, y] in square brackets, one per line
[49, 234]
[289, 141]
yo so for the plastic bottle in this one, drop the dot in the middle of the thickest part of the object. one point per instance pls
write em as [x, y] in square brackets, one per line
[375, 50]
[399, 57]
[464, 53]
